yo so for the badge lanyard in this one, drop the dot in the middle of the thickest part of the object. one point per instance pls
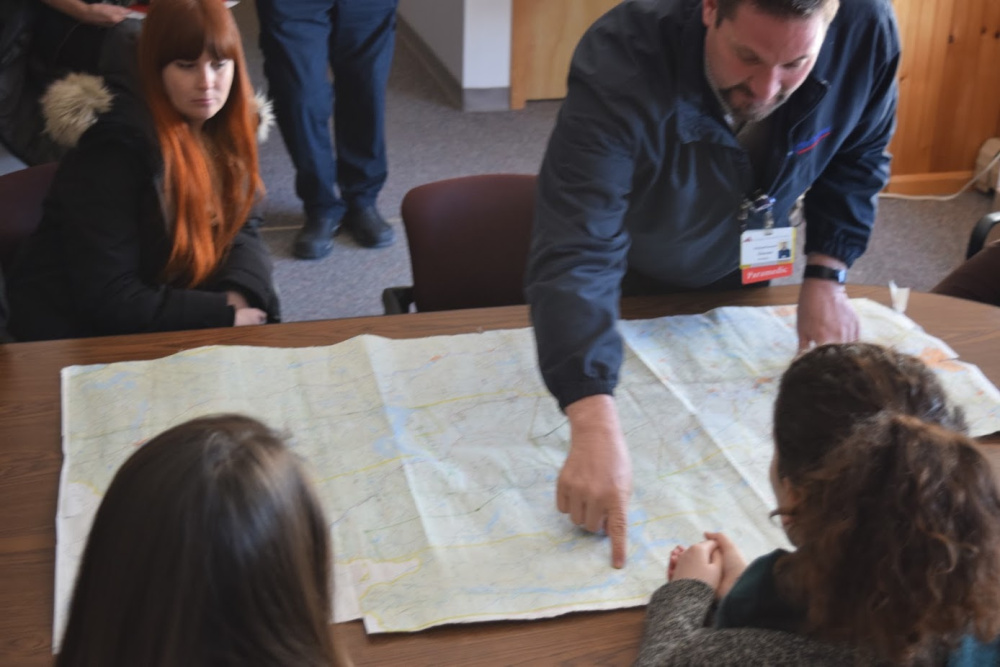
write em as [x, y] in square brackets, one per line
[766, 252]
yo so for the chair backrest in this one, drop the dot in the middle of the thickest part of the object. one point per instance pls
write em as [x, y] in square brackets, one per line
[469, 240]
[21, 196]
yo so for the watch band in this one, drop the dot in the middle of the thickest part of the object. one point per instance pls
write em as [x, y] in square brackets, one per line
[825, 273]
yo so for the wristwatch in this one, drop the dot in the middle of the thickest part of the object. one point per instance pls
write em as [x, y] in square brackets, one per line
[825, 273]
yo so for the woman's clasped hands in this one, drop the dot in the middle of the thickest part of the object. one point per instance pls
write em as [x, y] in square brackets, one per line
[715, 561]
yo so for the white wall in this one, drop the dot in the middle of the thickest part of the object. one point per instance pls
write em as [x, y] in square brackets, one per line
[471, 38]
[440, 24]
[486, 62]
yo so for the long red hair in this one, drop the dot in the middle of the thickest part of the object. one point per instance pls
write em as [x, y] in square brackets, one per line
[207, 212]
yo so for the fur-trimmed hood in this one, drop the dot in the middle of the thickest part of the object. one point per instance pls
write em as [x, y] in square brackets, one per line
[72, 104]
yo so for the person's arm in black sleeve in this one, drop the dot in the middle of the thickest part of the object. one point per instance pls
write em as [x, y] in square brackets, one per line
[98, 197]
[675, 634]
[840, 205]
[247, 269]
[575, 268]
[104, 15]
[578, 249]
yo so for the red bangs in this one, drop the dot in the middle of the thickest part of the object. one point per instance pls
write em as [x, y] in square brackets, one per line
[187, 28]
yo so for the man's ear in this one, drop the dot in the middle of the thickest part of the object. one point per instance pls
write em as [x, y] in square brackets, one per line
[709, 10]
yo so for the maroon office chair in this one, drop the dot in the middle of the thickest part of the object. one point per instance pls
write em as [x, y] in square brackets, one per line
[978, 278]
[21, 196]
[468, 240]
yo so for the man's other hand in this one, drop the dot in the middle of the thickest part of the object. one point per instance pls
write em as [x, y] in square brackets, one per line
[825, 314]
[596, 481]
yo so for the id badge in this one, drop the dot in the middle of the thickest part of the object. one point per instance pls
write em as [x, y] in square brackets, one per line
[766, 254]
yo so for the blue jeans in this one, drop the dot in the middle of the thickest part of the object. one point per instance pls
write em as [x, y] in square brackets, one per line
[302, 40]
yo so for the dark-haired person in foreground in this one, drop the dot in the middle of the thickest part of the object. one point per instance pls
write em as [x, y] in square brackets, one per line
[895, 517]
[690, 130]
[209, 548]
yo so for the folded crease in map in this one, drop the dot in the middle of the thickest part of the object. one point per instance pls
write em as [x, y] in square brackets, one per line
[436, 458]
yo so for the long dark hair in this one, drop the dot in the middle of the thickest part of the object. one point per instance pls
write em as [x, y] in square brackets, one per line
[209, 548]
[896, 514]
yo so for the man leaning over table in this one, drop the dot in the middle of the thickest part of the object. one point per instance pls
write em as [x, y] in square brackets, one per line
[690, 129]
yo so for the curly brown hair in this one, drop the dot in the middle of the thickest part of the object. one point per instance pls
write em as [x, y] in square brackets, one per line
[897, 514]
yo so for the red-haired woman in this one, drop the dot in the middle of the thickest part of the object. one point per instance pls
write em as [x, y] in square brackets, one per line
[148, 226]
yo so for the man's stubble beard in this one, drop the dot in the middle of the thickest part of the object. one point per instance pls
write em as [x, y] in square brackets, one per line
[754, 115]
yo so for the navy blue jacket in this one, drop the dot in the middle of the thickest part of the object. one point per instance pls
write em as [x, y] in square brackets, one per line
[642, 171]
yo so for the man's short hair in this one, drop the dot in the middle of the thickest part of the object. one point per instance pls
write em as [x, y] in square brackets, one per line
[784, 9]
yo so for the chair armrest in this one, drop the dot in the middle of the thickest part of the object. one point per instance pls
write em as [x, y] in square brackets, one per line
[4, 313]
[979, 233]
[397, 300]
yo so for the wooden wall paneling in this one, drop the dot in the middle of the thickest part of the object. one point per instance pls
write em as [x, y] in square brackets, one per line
[989, 67]
[905, 147]
[949, 84]
[923, 30]
[985, 95]
[544, 34]
[953, 99]
[521, 39]
[932, 37]
[904, 120]
[971, 86]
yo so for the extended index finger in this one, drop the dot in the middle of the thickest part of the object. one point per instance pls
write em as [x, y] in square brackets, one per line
[617, 527]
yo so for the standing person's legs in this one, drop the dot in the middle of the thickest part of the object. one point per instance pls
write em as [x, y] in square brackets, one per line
[361, 48]
[294, 37]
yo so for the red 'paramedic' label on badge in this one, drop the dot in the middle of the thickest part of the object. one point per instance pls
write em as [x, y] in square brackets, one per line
[755, 274]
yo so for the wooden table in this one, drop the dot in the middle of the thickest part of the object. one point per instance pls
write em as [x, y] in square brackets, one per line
[30, 460]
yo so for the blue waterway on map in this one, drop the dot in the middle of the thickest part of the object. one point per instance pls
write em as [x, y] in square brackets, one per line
[492, 522]
[125, 378]
[141, 410]
[390, 446]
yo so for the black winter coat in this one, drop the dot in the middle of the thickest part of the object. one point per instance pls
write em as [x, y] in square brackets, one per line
[94, 265]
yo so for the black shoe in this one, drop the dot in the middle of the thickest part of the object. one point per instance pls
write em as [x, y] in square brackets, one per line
[315, 239]
[368, 228]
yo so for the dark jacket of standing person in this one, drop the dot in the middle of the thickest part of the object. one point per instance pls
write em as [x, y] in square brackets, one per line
[643, 172]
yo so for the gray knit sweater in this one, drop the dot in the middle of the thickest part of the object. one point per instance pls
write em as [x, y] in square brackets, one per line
[676, 634]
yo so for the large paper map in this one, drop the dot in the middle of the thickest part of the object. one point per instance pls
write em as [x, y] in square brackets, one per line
[436, 459]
